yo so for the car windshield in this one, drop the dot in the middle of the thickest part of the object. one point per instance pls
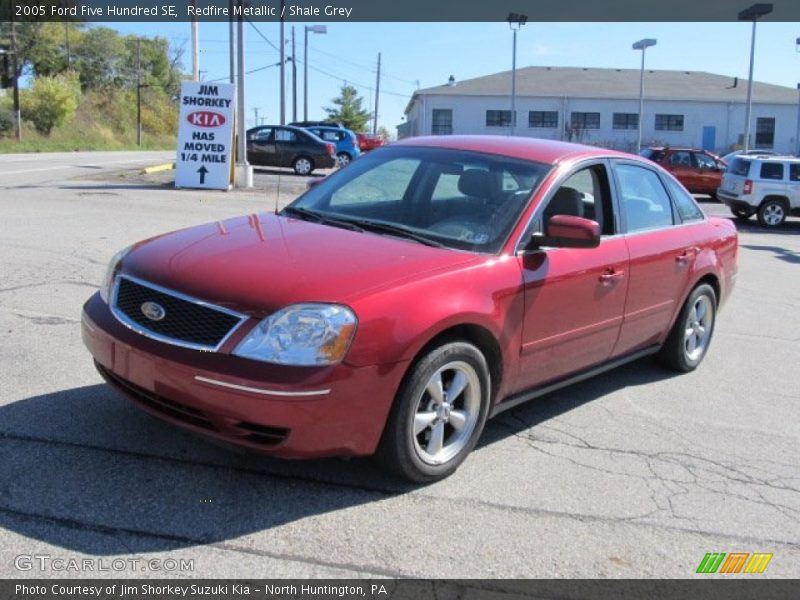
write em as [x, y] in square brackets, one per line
[452, 198]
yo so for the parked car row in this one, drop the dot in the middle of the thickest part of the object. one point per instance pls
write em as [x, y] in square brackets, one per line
[307, 145]
[756, 182]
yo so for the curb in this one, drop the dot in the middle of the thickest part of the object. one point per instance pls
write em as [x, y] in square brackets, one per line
[158, 168]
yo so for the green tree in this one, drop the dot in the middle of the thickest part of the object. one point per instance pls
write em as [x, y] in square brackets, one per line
[51, 100]
[348, 109]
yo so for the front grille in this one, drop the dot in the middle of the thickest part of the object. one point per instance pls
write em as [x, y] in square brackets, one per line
[186, 321]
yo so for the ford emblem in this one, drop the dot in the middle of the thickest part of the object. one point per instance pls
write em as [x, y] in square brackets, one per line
[153, 311]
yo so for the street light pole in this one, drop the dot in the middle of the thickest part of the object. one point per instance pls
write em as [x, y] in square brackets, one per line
[751, 13]
[283, 68]
[312, 29]
[797, 133]
[515, 21]
[642, 45]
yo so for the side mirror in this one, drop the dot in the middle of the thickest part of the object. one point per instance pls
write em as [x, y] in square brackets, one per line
[567, 231]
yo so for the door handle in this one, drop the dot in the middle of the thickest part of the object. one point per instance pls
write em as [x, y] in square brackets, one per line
[611, 276]
[686, 255]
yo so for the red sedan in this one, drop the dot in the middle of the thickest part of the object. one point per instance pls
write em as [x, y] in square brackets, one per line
[399, 303]
[699, 171]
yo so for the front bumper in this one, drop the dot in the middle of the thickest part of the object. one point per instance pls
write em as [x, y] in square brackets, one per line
[292, 412]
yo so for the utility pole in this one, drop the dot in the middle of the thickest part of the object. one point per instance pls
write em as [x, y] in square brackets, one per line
[232, 43]
[283, 69]
[244, 172]
[195, 46]
[138, 92]
[66, 40]
[377, 96]
[294, 80]
[255, 110]
[15, 66]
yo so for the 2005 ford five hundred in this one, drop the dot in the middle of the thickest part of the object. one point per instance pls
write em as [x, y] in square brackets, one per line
[405, 299]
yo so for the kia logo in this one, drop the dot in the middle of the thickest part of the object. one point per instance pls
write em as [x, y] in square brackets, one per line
[206, 118]
[153, 311]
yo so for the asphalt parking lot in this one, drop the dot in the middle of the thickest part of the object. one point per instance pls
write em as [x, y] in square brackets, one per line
[636, 473]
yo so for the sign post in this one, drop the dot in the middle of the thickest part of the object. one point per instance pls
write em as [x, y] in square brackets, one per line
[205, 136]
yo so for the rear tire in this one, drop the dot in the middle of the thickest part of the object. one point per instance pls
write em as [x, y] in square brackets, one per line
[303, 165]
[438, 414]
[343, 158]
[771, 213]
[690, 337]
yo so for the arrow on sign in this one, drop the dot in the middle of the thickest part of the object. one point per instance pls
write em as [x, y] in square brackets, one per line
[202, 170]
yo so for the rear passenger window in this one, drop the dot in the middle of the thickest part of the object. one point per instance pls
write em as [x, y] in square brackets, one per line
[687, 209]
[771, 170]
[645, 203]
[794, 172]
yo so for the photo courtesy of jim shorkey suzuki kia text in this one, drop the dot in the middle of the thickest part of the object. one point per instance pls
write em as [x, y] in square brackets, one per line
[191, 590]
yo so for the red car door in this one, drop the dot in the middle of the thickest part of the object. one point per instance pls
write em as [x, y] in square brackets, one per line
[662, 255]
[574, 298]
[681, 164]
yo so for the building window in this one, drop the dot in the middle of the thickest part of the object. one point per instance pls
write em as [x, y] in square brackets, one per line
[765, 132]
[543, 118]
[626, 121]
[585, 120]
[442, 121]
[498, 118]
[669, 122]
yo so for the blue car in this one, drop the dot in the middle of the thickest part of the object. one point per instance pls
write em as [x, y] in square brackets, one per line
[345, 140]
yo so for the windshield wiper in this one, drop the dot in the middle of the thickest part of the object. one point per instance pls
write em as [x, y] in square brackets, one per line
[381, 227]
[313, 215]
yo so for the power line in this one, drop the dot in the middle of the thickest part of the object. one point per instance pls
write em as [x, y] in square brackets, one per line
[364, 67]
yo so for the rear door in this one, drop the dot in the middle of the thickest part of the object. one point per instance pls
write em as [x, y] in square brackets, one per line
[682, 164]
[794, 184]
[287, 145]
[261, 147]
[662, 248]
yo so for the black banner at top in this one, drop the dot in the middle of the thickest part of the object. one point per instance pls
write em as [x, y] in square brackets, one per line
[394, 10]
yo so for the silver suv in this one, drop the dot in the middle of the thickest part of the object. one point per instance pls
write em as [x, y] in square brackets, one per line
[766, 186]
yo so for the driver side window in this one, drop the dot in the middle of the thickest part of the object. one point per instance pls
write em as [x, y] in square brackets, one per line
[586, 194]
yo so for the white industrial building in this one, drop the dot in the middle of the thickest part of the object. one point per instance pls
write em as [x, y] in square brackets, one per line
[601, 107]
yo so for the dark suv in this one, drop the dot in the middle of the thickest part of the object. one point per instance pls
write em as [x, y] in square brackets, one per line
[285, 146]
[699, 171]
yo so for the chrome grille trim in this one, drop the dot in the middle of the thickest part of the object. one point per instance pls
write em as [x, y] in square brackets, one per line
[130, 324]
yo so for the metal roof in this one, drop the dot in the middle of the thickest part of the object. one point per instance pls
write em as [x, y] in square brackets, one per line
[579, 82]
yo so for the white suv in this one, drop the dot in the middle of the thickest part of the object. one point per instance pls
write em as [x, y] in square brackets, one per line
[767, 186]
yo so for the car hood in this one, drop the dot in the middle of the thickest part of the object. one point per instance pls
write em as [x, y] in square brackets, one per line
[260, 263]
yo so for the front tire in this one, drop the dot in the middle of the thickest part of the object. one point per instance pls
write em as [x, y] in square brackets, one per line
[303, 165]
[771, 213]
[690, 337]
[438, 414]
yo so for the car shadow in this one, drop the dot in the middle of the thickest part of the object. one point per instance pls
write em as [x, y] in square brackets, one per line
[783, 254]
[85, 470]
[644, 371]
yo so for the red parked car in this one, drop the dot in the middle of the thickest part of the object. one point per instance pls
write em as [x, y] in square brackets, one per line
[399, 303]
[699, 171]
[367, 141]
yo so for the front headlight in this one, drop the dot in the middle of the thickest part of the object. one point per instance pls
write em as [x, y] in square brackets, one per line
[111, 273]
[301, 335]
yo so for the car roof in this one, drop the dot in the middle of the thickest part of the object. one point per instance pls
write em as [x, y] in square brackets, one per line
[536, 149]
